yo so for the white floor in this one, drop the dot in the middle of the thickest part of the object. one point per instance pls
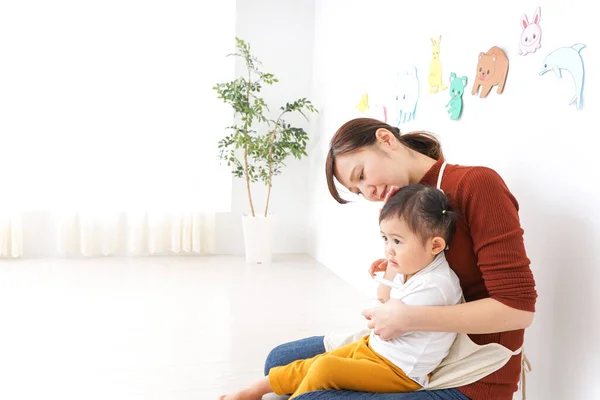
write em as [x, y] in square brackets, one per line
[158, 328]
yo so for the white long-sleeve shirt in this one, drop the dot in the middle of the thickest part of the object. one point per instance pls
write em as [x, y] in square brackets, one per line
[419, 353]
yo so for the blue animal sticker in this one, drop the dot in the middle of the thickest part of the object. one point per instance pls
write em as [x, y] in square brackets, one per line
[457, 88]
[568, 59]
[406, 88]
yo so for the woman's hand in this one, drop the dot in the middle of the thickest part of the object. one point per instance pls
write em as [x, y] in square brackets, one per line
[394, 318]
[390, 320]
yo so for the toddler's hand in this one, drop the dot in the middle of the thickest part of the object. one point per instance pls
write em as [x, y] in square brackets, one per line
[378, 266]
[392, 190]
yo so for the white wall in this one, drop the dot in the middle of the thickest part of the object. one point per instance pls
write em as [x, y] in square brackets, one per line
[543, 148]
[80, 102]
[281, 34]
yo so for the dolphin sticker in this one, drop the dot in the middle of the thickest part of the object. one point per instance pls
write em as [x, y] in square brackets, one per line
[568, 59]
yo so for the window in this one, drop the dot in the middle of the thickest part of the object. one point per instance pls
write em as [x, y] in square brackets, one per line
[108, 106]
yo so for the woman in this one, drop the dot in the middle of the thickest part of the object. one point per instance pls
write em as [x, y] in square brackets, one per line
[372, 159]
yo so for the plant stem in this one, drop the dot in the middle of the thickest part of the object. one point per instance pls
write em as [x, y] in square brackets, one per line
[246, 169]
[271, 140]
[248, 181]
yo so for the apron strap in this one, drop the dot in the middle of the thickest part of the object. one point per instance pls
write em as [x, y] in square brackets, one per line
[439, 187]
[525, 364]
[525, 368]
[440, 176]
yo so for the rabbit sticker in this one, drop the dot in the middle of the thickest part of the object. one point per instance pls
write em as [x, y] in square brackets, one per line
[457, 88]
[531, 36]
[435, 68]
[492, 69]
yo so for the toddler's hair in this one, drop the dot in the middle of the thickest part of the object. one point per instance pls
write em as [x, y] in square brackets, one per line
[425, 209]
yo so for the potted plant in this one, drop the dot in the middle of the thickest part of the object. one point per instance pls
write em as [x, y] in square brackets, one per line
[258, 144]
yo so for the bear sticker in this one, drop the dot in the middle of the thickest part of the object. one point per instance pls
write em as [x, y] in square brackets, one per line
[457, 88]
[492, 69]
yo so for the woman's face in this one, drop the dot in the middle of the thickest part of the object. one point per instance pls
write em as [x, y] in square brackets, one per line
[371, 171]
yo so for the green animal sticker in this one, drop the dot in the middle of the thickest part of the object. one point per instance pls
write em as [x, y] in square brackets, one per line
[457, 88]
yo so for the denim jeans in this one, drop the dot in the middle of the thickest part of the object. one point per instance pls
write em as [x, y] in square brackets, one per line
[312, 346]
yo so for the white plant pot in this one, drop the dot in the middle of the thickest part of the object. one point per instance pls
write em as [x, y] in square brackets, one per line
[257, 238]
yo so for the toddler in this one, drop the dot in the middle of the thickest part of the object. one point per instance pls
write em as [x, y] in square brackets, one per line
[416, 224]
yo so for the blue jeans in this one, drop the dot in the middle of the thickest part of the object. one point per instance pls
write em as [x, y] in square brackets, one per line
[312, 346]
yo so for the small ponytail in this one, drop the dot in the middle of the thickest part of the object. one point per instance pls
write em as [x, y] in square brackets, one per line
[425, 209]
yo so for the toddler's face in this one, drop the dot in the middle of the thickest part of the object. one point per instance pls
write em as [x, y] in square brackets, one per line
[403, 249]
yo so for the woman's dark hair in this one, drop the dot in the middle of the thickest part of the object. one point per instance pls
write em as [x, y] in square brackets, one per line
[425, 209]
[360, 132]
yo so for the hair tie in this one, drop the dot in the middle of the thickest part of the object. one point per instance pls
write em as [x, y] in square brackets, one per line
[444, 212]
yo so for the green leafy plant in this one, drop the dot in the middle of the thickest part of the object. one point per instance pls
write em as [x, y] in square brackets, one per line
[250, 154]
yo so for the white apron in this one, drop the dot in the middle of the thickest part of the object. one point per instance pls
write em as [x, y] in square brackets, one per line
[466, 363]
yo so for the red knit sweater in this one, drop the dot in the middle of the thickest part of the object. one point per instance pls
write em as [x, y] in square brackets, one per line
[488, 255]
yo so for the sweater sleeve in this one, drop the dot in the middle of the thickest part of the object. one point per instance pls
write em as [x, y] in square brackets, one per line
[491, 212]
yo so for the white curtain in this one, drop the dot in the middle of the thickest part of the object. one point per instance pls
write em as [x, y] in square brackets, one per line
[11, 234]
[93, 234]
[109, 122]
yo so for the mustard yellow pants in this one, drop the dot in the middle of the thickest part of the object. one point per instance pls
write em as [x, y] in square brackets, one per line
[352, 367]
